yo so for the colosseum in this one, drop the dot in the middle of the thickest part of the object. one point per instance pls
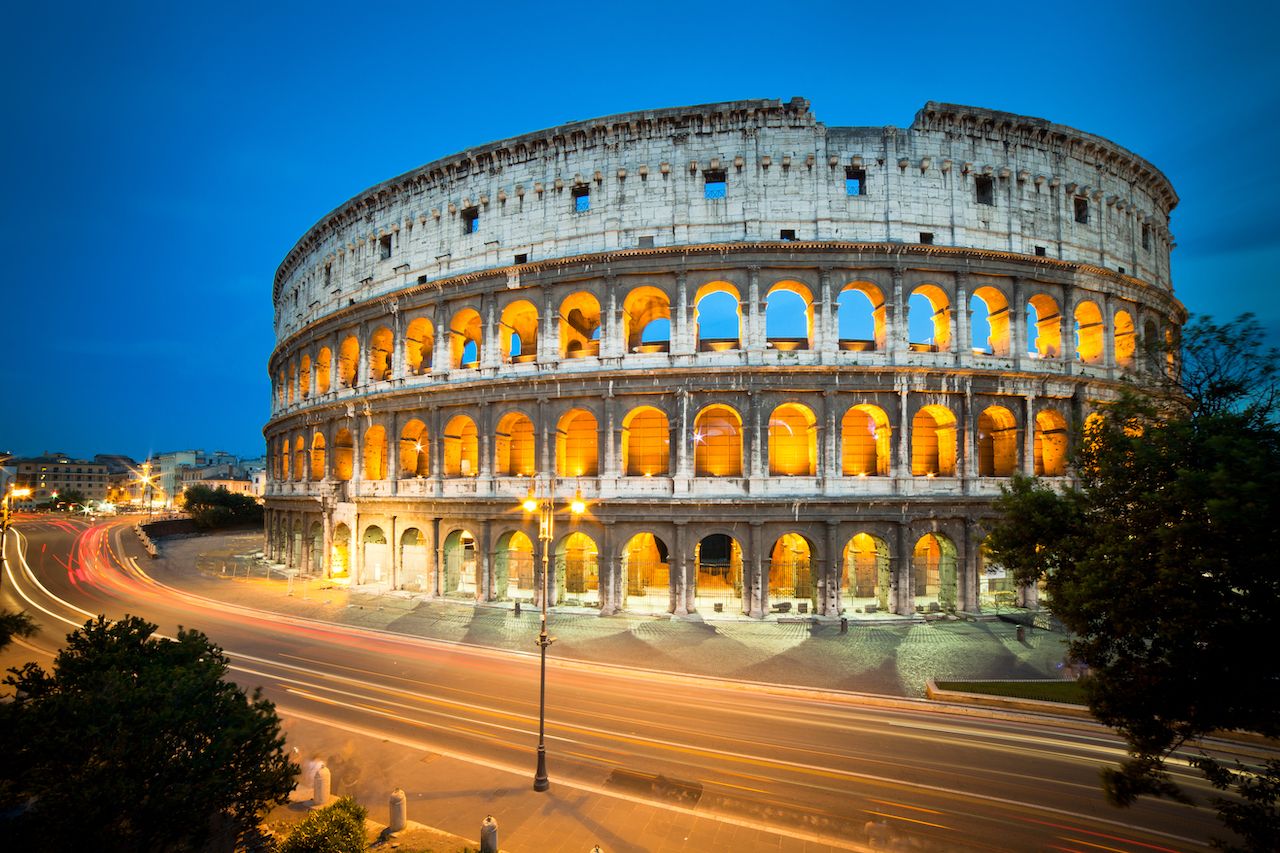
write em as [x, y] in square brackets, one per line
[784, 367]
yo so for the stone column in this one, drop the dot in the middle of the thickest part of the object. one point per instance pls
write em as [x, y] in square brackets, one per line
[829, 585]
[962, 337]
[967, 463]
[549, 339]
[611, 343]
[1029, 435]
[969, 579]
[902, 465]
[485, 446]
[753, 338]
[898, 333]
[684, 461]
[826, 331]
[484, 567]
[437, 552]
[758, 595]
[442, 346]
[678, 571]
[357, 552]
[1017, 323]
[1067, 324]
[543, 464]
[490, 351]
[902, 582]
[397, 344]
[756, 466]
[828, 465]
[612, 456]
[610, 573]
[682, 326]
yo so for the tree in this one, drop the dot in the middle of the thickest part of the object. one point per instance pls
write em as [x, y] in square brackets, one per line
[214, 508]
[14, 625]
[1159, 562]
[336, 828]
[134, 742]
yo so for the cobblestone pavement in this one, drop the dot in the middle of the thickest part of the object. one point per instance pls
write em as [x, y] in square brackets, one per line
[888, 657]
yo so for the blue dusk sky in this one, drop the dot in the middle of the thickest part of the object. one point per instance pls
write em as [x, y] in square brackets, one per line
[161, 158]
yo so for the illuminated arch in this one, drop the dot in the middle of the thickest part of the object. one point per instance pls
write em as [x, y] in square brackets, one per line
[324, 365]
[577, 451]
[282, 454]
[304, 377]
[291, 383]
[793, 441]
[788, 316]
[464, 339]
[1051, 440]
[1126, 342]
[419, 344]
[518, 336]
[340, 552]
[990, 314]
[299, 458]
[348, 361]
[646, 438]
[717, 561]
[1089, 335]
[374, 461]
[513, 446]
[929, 319]
[460, 564]
[791, 570]
[1044, 326]
[461, 447]
[646, 320]
[933, 442]
[376, 556]
[514, 566]
[414, 559]
[578, 567]
[865, 573]
[862, 317]
[380, 344]
[646, 572]
[865, 442]
[717, 441]
[997, 443]
[717, 317]
[317, 456]
[414, 450]
[933, 564]
[344, 445]
[579, 326]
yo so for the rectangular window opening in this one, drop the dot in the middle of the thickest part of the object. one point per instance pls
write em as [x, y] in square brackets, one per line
[715, 186]
[471, 220]
[926, 238]
[984, 191]
[1082, 210]
[787, 234]
[646, 242]
[384, 246]
[1039, 251]
[522, 258]
[1146, 237]
[581, 199]
[855, 181]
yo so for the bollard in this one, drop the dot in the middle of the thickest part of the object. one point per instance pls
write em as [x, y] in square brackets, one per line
[844, 624]
[517, 607]
[320, 786]
[489, 835]
[1022, 634]
[399, 812]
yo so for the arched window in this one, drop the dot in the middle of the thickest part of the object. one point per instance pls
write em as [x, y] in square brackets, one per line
[1151, 345]
[793, 441]
[304, 377]
[374, 465]
[461, 447]
[646, 572]
[791, 570]
[576, 444]
[578, 557]
[718, 317]
[343, 454]
[283, 455]
[299, 458]
[645, 443]
[518, 338]
[580, 326]
[1089, 333]
[989, 321]
[348, 361]
[788, 316]
[340, 555]
[513, 446]
[997, 443]
[317, 456]
[465, 331]
[513, 566]
[929, 319]
[1044, 327]
[933, 563]
[291, 383]
[862, 317]
[717, 442]
[866, 578]
[1125, 338]
[377, 556]
[419, 341]
[865, 445]
[324, 364]
[414, 450]
[1050, 444]
[380, 343]
[646, 320]
[933, 442]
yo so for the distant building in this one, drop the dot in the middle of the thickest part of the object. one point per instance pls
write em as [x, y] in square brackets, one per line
[56, 474]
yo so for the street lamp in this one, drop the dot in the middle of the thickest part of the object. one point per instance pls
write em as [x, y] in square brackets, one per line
[13, 492]
[544, 505]
[148, 484]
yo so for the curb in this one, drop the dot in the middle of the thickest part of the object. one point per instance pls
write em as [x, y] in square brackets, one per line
[1007, 703]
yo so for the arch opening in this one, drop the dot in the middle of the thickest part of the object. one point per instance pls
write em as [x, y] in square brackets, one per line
[1089, 329]
[646, 320]
[317, 456]
[646, 574]
[415, 568]
[377, 556]
[419, 343]
[1051, 440]
[1044, 327]
[788, 317]
[866, 576]
[718, 574]
[465, 334]
[997, 443]
[580, 326]
[933, 564]
[717, 441]
[461, 447]
[865, 438]
[989, 321]
[933, 442]
[340, 553]
[348, 361]
[717, 317]
[323, 367]
[578, 570]
[1126, 341]
[514, 567]
[577, 444]
[380, 344]
[414, 450]
[460, 565]
[646, 439]
[791, 586]
[374, 462]
[793, 441]
[861, 317]
[929, 319]
[344, 454]
[513, 446]
[519, 336]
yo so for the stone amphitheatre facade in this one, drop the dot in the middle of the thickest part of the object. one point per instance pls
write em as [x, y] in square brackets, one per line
[786, 366]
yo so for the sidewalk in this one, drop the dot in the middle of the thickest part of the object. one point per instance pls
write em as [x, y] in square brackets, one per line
[892, 658]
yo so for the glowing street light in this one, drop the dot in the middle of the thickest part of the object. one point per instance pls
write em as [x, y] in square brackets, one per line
[544, 504]
[13, 492]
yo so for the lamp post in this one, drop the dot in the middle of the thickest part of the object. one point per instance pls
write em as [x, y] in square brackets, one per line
[544, 505]
[148, 486]
[13, 492]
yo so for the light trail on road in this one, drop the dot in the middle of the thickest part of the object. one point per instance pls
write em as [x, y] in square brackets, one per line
[807, 764]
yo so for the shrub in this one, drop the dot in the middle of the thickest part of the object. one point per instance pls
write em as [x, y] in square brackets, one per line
[336, 828]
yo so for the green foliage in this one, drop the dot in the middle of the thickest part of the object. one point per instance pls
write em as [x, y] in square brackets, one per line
[1160, 564]
[15, 625]
[216, 508]
[133, 742]
[336, 828]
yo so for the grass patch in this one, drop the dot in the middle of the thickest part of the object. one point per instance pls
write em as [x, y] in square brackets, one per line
[1069, 692]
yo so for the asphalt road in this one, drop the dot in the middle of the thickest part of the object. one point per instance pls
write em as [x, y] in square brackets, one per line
[658, 761]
